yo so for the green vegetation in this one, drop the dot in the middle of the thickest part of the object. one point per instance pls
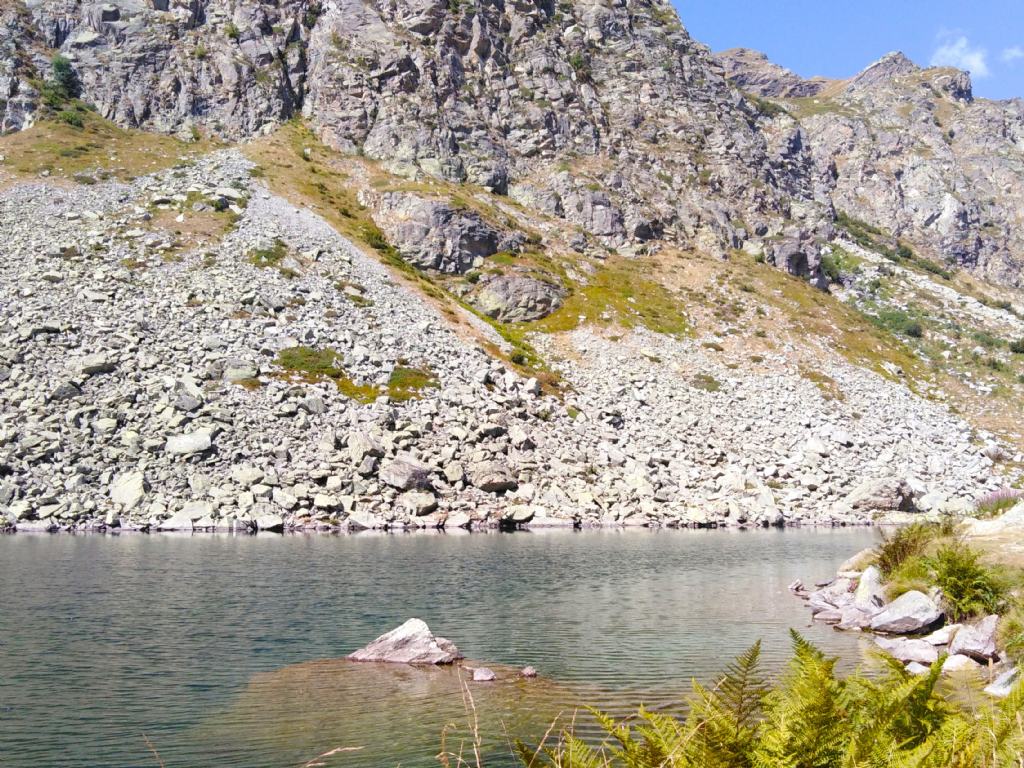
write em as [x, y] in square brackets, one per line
[706, 381]
[926, 555]
[63, 85]
[318, 364]
[997, 502]
[272, 257]
[231, 31]
[1017, 346]
[969, 588]
[810, 719]
[765, 107]
[407, 383]
[899, 322]
[875, 239]
[906, 543]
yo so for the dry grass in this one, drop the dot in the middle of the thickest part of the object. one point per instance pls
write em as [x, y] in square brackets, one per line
[99, 149]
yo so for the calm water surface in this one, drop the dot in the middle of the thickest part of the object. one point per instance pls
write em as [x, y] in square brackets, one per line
[224, 650]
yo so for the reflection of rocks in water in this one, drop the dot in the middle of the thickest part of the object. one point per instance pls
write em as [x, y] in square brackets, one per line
[396, 713]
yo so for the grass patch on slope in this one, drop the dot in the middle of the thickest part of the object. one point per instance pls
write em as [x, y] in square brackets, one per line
[311, 364]
[65, 150]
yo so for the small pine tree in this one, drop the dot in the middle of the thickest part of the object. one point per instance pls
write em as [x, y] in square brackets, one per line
[65, 81]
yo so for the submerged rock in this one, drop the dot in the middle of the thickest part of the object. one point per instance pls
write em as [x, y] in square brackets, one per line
[483, 675]
[411, 643]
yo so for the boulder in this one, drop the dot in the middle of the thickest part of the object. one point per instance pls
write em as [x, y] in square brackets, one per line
[411, 643]
[977, 641]
[911, 612]
[187, 444]
[942, 635]
[269, 523]
[528, 672]
[418, 503]
[483, 675]
[908, 650]
[1002, 685]
[851, 617]
[869, 595]
[884, 494]
[959, 663]
[128, 489]
[405, 473]
[433, 234]
[492, 476]
[517, 298]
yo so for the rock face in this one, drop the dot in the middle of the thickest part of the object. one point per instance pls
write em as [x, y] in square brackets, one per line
[897, 146]
[911, 612]
[433, 234]
[411, 643]
[607, 116]
[752, 72]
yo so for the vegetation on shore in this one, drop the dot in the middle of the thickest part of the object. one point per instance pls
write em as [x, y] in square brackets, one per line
[811, 718]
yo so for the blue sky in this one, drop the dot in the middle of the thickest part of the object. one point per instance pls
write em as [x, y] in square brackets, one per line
[837, 39]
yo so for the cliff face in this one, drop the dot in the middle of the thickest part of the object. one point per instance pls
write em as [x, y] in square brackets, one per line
[910, 150]
[605, 114]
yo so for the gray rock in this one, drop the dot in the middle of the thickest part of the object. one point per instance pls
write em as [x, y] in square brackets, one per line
[911, 612]
[870, 594]
[411, 643]
[977, 641]
[269, 523]
[492, 476]
[483, 675]
[1003, 685]
[517, 298]
[908, 650]
[405, 473]
[417, 502]
[190, 443]
[128, 490]
[958, 663]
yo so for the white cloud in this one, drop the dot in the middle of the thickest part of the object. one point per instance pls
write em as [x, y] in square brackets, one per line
[958, 52]
[1011, 55]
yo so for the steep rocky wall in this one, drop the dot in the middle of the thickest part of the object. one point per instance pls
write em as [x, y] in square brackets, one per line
[604, 113]
[910, 150]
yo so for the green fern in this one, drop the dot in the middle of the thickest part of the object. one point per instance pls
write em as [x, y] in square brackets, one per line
[811, 719]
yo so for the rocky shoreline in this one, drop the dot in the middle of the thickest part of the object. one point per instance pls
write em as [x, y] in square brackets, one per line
[915, 628]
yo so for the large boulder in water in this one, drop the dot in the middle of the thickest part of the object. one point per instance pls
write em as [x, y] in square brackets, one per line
[910, 612]
[411, 643]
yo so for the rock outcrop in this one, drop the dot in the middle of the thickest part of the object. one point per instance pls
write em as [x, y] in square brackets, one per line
[907, 150]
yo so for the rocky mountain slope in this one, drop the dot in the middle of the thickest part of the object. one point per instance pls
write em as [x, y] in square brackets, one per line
[909, 150]
[422, 264]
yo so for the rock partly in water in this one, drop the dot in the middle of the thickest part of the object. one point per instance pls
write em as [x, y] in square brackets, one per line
[911, 612]
[411, 643]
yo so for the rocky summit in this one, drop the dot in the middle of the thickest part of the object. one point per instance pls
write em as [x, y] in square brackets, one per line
[359, 265]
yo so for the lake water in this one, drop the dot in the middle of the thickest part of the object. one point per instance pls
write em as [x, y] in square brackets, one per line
[224, 650]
